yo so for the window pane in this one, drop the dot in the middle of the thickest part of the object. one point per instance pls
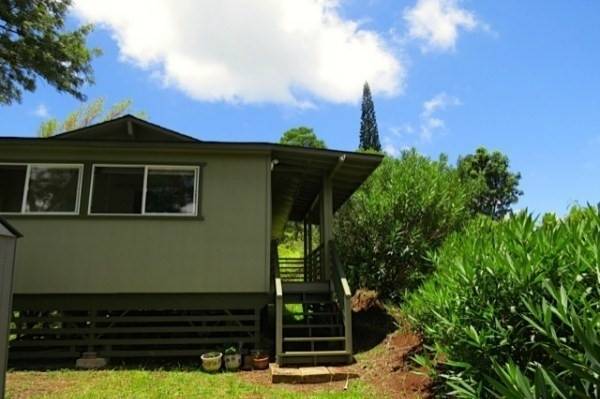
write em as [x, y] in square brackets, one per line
[170, 191]
[12, 185]
[52, 189]
[117, 190]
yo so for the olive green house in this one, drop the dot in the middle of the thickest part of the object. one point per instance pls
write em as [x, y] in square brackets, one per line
[141, 241]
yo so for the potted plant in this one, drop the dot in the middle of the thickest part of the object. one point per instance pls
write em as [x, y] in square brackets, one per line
[233, 358]
[211, 361]
[260, 361]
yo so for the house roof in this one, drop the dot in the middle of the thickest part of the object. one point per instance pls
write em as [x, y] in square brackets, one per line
[7, 230]
[125, 128]
[297, 172]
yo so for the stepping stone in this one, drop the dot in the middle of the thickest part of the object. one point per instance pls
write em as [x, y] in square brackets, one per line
[89, 361]
[341, 373]
[314, 375]
[308, 375]
[285, 375]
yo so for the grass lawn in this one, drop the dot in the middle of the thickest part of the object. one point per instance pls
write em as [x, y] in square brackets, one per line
[375, 355]
[182, 383]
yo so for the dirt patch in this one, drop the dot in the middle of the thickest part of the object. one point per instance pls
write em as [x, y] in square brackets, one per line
[365, 300]
[390, 372]
[386, 370]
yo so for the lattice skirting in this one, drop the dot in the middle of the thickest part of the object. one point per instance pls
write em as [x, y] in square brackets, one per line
[131, 325]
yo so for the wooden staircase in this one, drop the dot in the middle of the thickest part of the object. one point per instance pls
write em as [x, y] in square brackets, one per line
[313, 320]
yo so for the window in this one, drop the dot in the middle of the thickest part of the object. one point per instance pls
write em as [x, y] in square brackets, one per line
[170, 191]
[144, 190]
[40, 188]
[117, 190]
[12, 187]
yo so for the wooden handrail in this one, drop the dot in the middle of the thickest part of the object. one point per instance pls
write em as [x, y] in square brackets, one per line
[278, 303]
[343, 293]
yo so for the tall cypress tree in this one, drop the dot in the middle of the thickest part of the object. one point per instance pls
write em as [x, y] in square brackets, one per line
[369, 134]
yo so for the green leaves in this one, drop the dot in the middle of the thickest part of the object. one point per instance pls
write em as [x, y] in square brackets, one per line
[33, 43]
[302, 136]
[93, 112]
[519, 303]
[497, 187]
[386, 232]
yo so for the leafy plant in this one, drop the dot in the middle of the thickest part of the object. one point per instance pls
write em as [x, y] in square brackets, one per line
[231, 350]
[514, 308]
[405, 209]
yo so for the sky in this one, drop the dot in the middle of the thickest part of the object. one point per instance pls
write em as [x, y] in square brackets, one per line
[447, 76]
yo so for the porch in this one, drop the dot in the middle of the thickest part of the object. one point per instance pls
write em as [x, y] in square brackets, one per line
[313, 315]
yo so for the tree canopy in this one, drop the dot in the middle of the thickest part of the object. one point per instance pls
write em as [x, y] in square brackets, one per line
[369, 134]
[34, 44]
[498, 186]
[86, 115]
[302, 136]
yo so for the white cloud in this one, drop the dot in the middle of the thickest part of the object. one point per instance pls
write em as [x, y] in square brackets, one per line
[407, 135]
[286, 52]
[437, 23]
[41, 111]
[429, 122]
[402, 130]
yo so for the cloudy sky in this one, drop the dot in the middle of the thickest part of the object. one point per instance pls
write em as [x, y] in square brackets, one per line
[448, 76]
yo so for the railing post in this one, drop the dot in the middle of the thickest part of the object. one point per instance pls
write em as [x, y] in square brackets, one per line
[278, 320]
[344, 297]
[306, 251]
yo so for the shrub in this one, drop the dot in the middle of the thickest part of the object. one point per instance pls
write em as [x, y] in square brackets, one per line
[406, 208]
[514, 308]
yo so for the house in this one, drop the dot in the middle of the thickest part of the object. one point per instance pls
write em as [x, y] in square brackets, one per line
[141, 241]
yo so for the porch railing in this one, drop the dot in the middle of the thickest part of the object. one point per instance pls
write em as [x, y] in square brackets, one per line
[301, 269]
[291, 269]
[312, 265]
[343, 295]
[278, 303]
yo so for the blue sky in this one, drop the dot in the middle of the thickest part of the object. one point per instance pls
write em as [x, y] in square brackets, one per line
[448, 76]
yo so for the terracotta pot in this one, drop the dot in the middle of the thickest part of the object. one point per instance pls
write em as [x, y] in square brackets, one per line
[261, 362]
[211, 361]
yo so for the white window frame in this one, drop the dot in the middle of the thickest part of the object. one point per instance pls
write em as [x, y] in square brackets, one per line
[147, 167]
[28, 166]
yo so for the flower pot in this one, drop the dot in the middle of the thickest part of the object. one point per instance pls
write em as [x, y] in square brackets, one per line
[248, 362]
[211, 361]
[260, 362]
[233, 361]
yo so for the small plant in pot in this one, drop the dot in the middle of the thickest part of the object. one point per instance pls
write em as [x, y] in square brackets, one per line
[233, 358]
[211, 361]
[260, 361]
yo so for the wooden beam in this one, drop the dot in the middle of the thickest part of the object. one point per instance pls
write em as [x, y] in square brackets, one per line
[326, 226]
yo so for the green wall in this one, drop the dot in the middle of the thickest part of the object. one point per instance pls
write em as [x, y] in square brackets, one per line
[224, 251]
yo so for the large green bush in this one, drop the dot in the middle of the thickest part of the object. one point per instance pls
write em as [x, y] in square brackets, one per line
[405, 209]
[513, 309]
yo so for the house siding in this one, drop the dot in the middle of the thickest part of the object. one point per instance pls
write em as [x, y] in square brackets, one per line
[225, 250]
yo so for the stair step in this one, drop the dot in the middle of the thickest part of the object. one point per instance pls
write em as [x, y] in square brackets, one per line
[312, 326]
[306, 288]
[313, 314]
[313, 339]
[315, 353]
[309, 301]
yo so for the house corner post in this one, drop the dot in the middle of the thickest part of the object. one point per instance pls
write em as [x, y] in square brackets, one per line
[326, 226]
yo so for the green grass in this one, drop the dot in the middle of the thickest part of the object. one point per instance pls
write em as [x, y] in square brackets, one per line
[70, 384]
